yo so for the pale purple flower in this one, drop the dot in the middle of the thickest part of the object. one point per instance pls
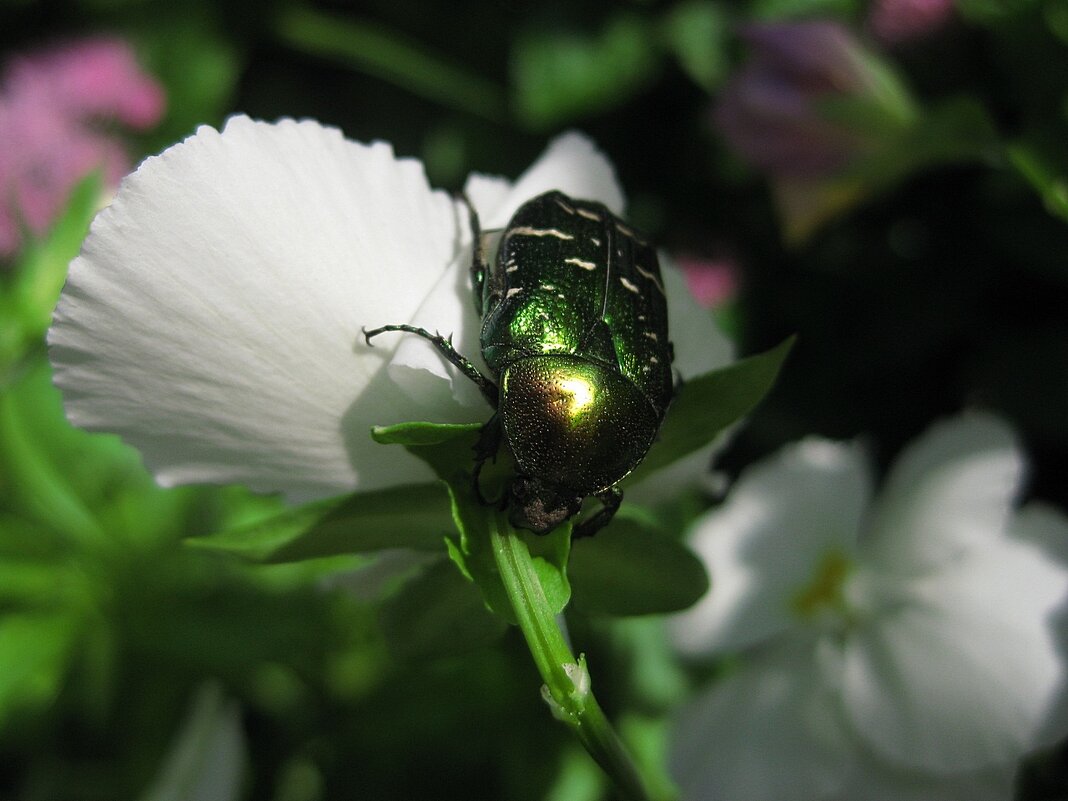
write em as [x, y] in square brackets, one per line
[57, 111]
[904, 646]
[897, 21]
[213, 318]
[776, 111]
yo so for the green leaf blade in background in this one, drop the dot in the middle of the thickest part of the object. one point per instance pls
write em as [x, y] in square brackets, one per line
[438, 613]
[27, 301]
[708, 404]
[629, 569]
[697, 32]
[415, 517]
[559, 77]
[1050, 184]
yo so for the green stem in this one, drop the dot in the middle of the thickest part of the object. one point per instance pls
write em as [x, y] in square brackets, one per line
[384, 54]
[567, 682]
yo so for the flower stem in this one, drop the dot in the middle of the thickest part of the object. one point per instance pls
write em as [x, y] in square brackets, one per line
[567, 682]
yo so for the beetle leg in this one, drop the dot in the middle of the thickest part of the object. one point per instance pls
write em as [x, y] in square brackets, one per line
[445, 348]
[611, 498]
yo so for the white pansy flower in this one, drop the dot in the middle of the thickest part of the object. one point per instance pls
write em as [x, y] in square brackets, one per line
[213, 318]
[905, 648]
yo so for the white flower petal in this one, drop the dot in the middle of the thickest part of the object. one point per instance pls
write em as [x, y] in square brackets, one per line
[949, 489]
[700, 344]
[572, 164]
[213, 318]
[770, 731]
[962, 673]
[875, 780]
[763, 546]
[1046, 528]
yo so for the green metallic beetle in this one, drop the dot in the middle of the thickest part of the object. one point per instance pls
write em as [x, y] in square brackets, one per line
[575, 330]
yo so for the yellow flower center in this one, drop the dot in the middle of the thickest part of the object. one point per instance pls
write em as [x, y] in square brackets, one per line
[824, 592]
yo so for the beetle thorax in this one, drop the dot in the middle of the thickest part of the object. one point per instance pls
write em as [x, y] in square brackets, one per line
[573, 423]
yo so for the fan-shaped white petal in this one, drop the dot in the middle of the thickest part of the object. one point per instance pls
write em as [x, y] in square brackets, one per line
[952, 487]
[213, 318]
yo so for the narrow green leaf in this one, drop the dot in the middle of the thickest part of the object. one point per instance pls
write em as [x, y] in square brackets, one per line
[629, 569]
[43, 269]
[697, 32]
[708, 404]
[438, 613]
[1050, 185]
[422, 433]
[558, 76]
[993, 12]
[799, 9]
[399, 517]
[374, 50]
[34, 653]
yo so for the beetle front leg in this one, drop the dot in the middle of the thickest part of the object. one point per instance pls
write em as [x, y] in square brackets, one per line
[611, 498]
[445, 348]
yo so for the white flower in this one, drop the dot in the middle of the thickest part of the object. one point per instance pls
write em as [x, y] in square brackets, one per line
[901, 649]
[213, 318]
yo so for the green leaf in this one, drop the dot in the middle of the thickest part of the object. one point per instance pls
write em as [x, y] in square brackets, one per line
[706, 405]
[793, 9]
[629, 569]
[27, 584]
[560, 76]
[422, 434]
[954, 131]
[43, 268]
[34, 652]
[1051, 184]
[415, 516]
[374, 50]
[185, 47]
[993, 12]
[438, 613]
[697, 33]
[26, 308]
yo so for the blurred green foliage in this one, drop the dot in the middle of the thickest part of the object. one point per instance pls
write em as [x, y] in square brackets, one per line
[123, 650]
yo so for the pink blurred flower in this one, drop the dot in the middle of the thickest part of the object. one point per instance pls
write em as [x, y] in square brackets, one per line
[896, 21]
[712, 282]
[55, 109]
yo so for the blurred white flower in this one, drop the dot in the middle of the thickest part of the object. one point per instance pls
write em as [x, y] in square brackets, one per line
[213, 318]
[904, 648]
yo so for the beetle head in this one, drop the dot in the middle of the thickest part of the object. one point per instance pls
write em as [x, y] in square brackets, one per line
[540, 507]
